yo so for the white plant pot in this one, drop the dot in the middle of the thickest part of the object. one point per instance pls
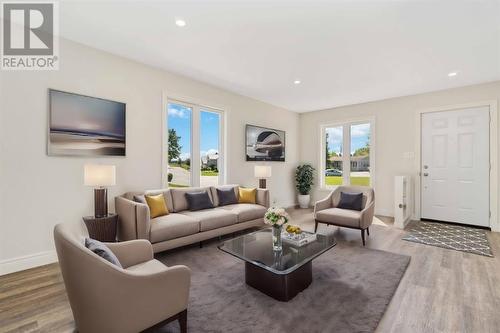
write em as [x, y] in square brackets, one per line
[304, 200]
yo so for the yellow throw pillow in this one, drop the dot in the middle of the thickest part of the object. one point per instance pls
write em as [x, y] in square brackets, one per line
[157, 205]
[247, 195]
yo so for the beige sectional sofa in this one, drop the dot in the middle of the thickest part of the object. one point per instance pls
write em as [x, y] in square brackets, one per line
[181, 226]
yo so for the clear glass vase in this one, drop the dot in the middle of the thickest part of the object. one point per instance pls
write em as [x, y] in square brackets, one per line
[277, 245]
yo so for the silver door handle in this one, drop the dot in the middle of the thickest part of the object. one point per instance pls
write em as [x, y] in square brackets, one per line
[425, 174]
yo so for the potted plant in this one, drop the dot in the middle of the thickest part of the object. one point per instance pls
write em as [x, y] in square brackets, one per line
[304, 176]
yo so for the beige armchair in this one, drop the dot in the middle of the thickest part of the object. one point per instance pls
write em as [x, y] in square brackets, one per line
[326, 211]
[105, 298]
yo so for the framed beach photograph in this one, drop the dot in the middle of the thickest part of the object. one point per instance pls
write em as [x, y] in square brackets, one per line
[85, 126]
[264, 144]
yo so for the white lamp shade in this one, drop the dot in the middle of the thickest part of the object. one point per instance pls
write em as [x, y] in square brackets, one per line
[262, 171]
[99, 175]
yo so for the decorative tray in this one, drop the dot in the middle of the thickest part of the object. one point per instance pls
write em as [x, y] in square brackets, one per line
[301, 239]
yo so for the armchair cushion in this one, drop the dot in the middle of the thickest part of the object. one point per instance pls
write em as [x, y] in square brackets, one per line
[341, 217]
[353, 201]
[149, 267]
[102, 251]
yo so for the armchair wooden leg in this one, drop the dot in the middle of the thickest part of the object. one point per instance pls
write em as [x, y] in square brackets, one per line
[363, 236]
[183, 321]
[315, 226]
[368, 231]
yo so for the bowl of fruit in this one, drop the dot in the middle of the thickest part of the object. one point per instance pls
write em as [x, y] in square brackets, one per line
[292, 229]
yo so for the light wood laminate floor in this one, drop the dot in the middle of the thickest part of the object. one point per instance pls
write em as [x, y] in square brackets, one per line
[442, 290]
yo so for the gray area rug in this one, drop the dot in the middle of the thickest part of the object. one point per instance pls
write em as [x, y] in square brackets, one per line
[449, 236]
[351, 289]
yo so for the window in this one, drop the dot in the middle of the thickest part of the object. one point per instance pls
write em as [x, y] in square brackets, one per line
[193, 145]
[179, 145]
[346, 157]
[209, 147]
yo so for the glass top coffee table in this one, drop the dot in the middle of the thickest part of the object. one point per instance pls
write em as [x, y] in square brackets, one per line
[279, 274]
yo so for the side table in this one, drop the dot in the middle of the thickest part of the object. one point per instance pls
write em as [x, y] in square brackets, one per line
[102, 229]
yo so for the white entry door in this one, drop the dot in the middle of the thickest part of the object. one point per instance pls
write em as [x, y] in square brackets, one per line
[456, 166]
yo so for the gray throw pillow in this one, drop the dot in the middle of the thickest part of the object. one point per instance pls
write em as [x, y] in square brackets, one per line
[199, 201]
[102, 251]
[140, 199]
[226, 196]
[352, 201]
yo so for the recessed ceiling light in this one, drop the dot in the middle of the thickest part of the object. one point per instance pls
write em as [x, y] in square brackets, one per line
[180, 22]
[296, 82]
[452, 74]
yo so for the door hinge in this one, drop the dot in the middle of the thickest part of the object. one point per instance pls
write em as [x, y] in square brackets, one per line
[490, 213]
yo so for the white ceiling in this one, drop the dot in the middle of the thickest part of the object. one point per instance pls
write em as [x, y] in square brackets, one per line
[344, 52]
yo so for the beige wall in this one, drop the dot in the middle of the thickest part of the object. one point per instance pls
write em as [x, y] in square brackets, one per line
[395, 133]
[38, 191]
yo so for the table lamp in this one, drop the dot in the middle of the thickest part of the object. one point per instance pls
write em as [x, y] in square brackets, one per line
[99, 176]
[262, 172]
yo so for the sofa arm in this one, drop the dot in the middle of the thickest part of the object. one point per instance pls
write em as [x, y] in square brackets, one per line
[133, 219]
[262, 197]
[323, 204]
[132, 252]
[367, 215]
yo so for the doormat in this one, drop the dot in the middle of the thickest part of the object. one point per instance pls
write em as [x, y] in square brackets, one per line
[454, 237]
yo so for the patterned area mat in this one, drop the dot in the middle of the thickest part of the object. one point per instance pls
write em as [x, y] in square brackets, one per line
[465, 239]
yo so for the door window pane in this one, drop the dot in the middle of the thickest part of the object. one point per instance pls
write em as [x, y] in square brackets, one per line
[333, 156]
[360, 154]
[209, 148]
[179, 145]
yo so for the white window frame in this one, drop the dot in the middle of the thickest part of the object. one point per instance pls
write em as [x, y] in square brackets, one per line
[346, 147]
[197, 107]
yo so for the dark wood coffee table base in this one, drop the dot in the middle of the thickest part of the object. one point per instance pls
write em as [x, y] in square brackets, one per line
[282, 287]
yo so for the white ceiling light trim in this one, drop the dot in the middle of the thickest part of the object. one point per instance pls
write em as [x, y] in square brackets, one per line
[348, 52]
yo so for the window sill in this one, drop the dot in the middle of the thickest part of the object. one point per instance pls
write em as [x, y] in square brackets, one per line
[328, 188]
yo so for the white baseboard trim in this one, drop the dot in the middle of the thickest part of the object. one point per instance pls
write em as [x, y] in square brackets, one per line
[12, 265]
[384, 212]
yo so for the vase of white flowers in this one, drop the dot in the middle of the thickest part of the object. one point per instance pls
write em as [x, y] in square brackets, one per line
[276, 217]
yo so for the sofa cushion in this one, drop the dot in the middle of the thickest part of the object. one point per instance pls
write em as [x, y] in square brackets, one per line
[199, 200]
[166, 195]
[179, 200]
[247, 195]
[102, 251]
[215, 198]
[212, 218]
[246, 212]
[352, 201]
[341, 217]
[157, 205]
[226, 196]
[172, 226]
[148, 267]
